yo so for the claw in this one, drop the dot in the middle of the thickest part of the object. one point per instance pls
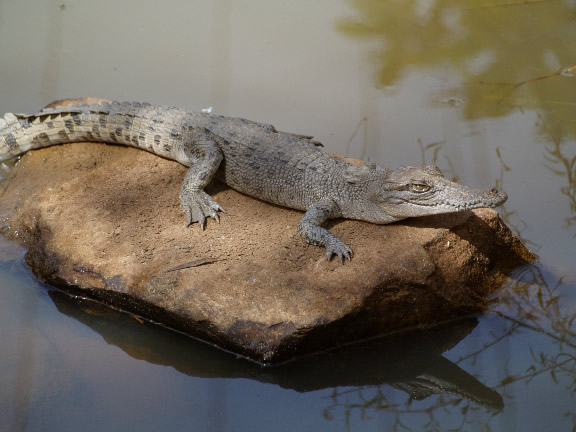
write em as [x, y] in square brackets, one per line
[341, 251]
[188, 216]
[198, 206]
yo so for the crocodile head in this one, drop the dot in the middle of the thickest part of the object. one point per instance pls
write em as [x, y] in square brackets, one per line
[416, 191]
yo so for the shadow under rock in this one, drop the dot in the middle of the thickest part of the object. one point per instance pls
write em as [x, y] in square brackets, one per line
[410, 361]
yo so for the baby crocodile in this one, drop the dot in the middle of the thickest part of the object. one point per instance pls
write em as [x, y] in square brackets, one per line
[255, 159]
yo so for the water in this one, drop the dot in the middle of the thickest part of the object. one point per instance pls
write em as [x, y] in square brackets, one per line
[486, 89]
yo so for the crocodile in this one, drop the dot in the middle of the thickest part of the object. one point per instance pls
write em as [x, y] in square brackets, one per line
[253, 158]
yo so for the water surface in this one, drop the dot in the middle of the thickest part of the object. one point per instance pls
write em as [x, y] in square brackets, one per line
[484, 89]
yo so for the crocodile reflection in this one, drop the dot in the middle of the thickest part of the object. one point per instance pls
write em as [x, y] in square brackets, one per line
[408, 361]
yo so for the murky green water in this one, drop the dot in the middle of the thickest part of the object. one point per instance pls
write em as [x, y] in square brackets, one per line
[485, 88]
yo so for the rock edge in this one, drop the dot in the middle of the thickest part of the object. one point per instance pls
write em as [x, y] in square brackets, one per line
[103, 222]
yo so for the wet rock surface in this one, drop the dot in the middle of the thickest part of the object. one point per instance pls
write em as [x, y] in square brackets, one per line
[103, 222]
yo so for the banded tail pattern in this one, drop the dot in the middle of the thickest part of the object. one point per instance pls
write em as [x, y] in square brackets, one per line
[134, 124]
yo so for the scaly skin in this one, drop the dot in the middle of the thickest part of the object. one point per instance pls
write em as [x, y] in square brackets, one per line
[255, 159]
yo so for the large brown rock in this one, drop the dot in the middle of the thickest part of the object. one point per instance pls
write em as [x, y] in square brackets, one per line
[104, 222]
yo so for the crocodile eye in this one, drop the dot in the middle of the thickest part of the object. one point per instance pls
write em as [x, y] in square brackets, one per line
[419, 187]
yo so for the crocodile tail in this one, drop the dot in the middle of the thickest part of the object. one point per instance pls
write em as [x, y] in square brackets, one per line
[20, 133]
[115, 123]
[11, 130]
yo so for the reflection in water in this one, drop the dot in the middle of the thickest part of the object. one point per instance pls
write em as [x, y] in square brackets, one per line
[361, 377]
[507, 55]
[411, 362]
[534, 305]
[537, 308]
[490, 58]
[531, 309]
[560, 163]
[27, 355]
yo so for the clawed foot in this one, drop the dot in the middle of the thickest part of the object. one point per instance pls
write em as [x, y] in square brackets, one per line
[337, 247]
[198, 206]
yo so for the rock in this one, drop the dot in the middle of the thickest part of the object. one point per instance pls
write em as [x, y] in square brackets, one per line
[103, 222]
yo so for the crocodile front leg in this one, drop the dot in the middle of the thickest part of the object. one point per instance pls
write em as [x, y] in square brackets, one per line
[204, 156]
[311, 231]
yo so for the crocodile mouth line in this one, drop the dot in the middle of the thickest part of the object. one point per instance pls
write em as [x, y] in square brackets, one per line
[459, 206]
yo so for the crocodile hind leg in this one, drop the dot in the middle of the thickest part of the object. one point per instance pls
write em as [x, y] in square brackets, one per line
[204, 157]
[311, 231]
